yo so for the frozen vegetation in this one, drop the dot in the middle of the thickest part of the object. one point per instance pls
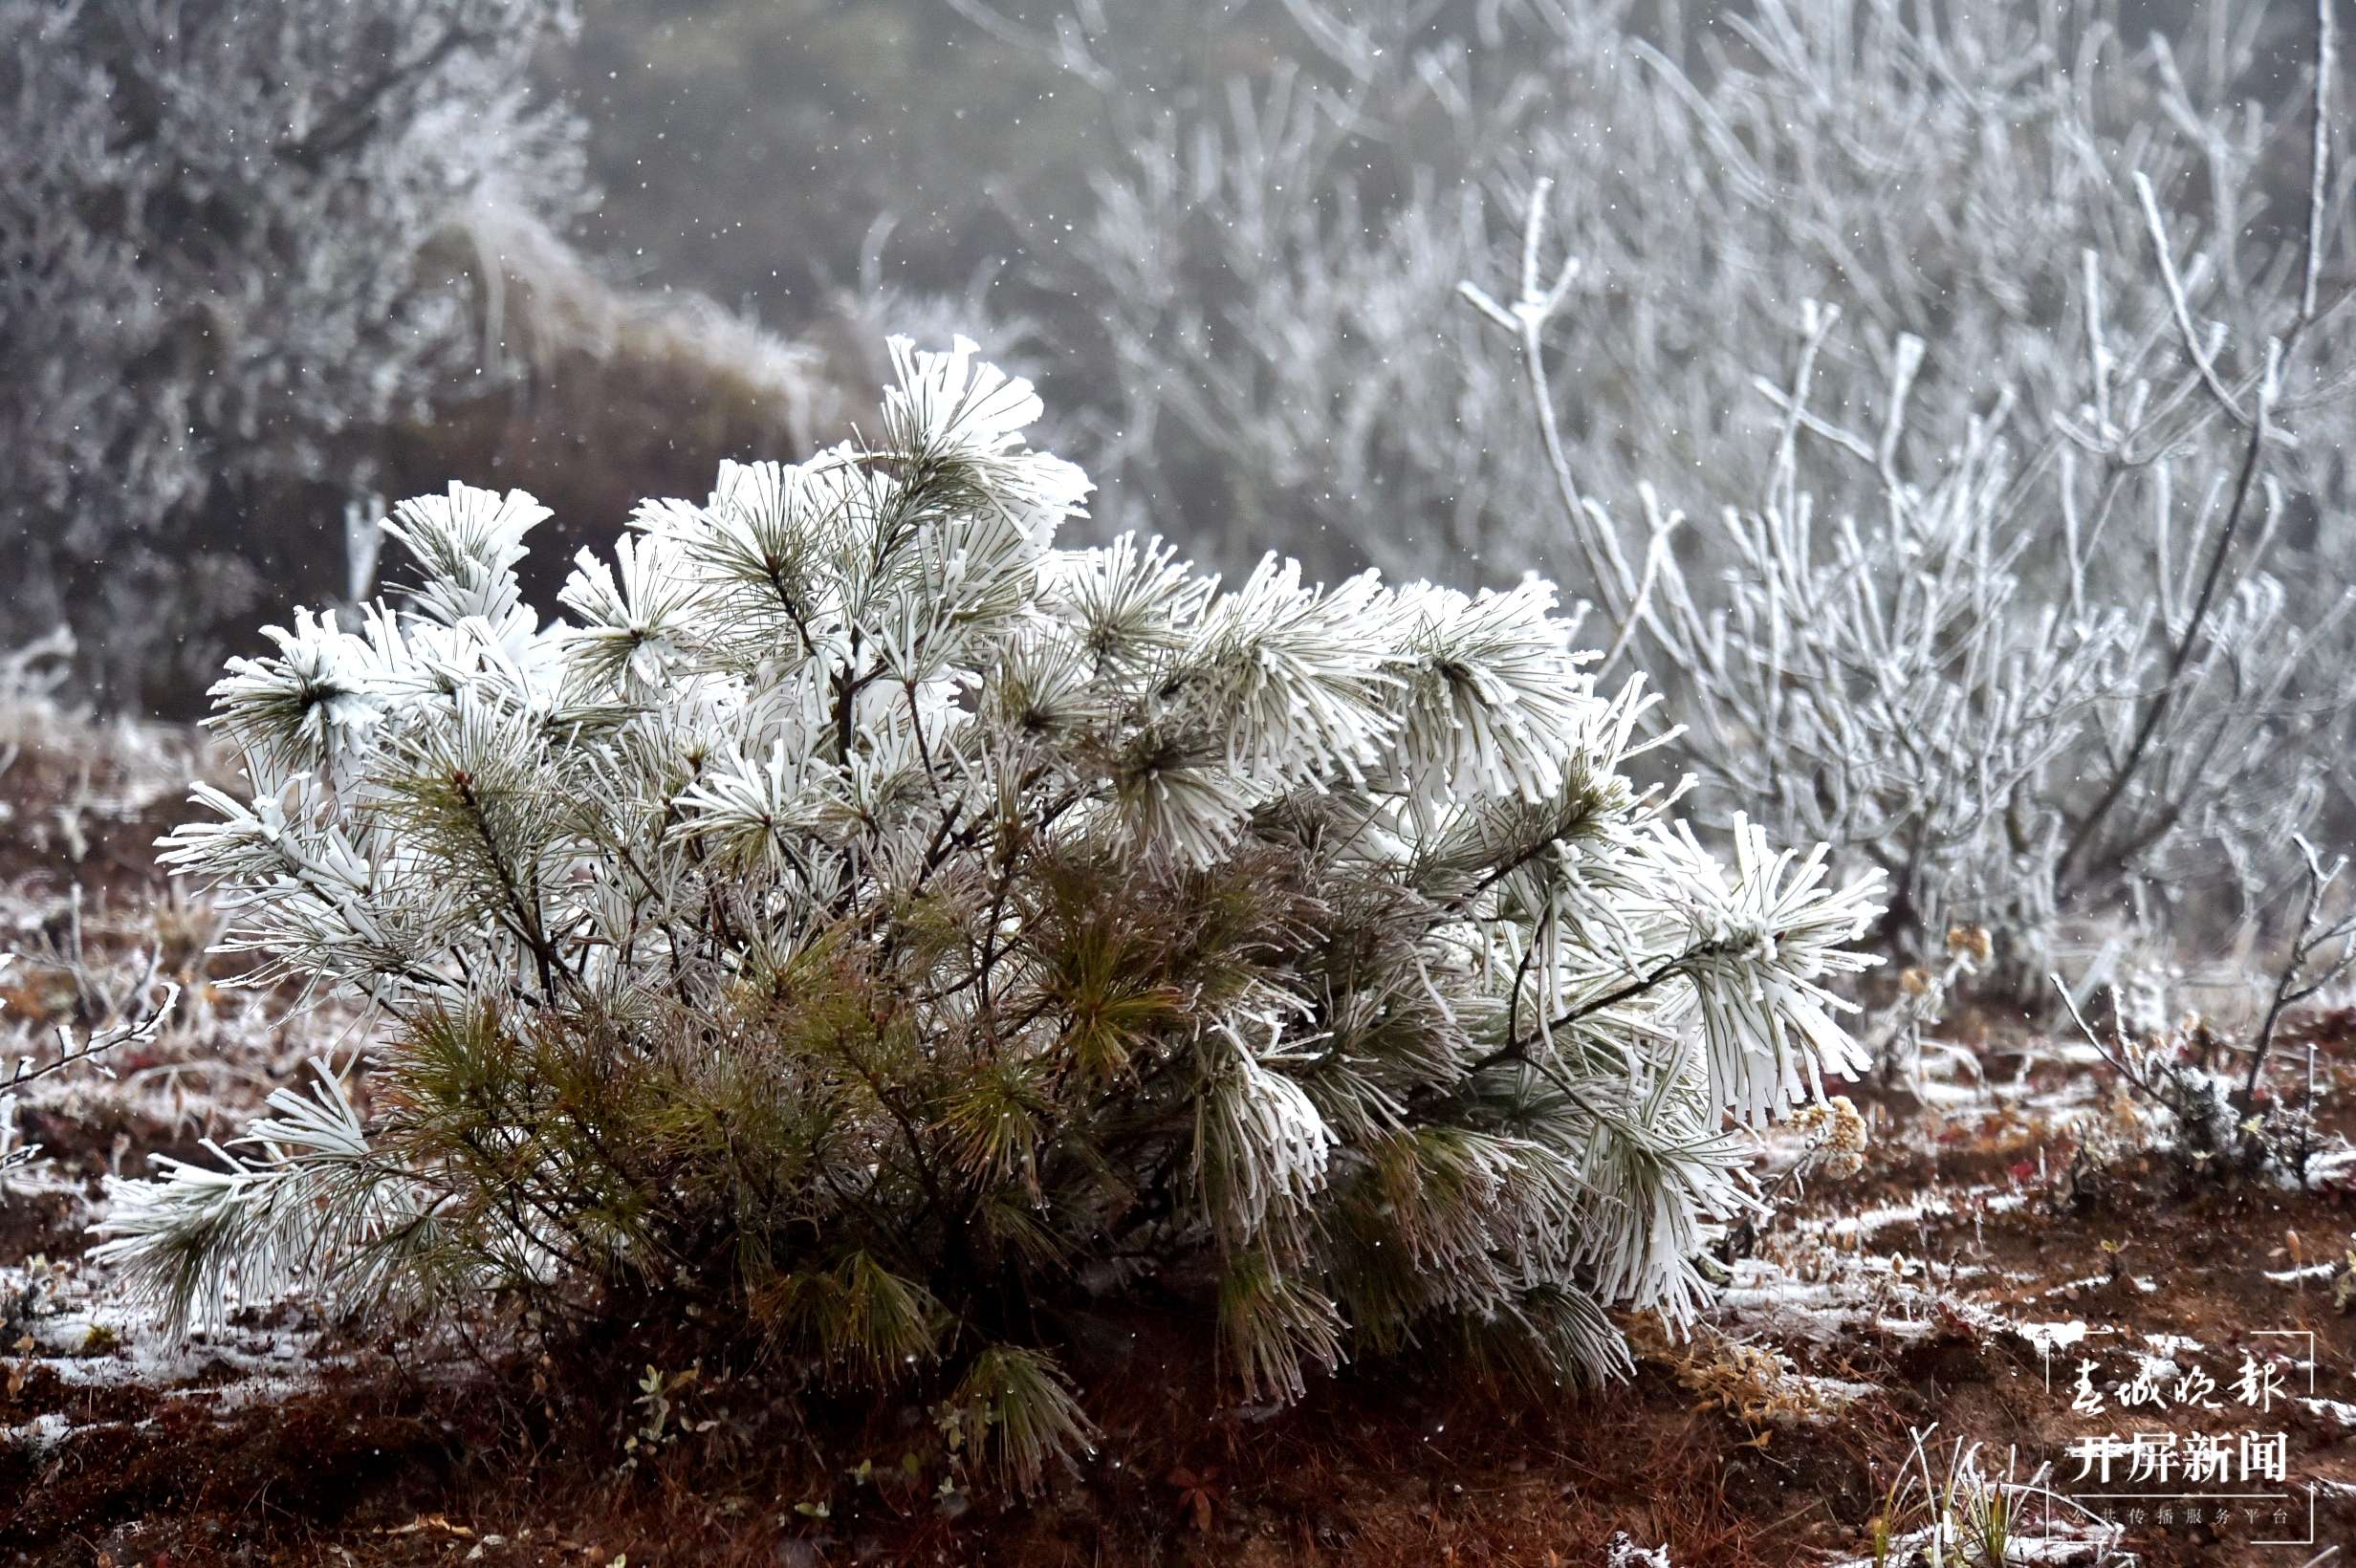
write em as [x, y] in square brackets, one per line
[1945, 407]
[1121, 976]
[216, 221]
[863, 912]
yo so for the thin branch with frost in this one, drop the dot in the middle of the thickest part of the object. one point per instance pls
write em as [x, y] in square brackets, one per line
[1534, 307]
[90, 1050]
[2311, 965]
[2268, 392]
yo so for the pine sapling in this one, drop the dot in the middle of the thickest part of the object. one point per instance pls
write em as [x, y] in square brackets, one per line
[878, 928]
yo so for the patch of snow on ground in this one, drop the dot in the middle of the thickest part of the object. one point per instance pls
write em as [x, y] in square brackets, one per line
[2099, 1545]
[2334, 1164]
[2045, 1339]
[90, 1335]
[2292, 1276]
[2339, 1412]
[42, 1434]
[1764, 1297]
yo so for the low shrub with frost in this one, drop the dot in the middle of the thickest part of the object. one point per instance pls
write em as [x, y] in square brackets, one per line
[868, 924]
[1991, 351]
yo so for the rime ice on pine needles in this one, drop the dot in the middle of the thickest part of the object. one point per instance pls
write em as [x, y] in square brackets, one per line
[863, 902]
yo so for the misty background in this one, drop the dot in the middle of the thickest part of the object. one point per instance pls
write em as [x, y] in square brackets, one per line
[815, 172]
[1939, 403]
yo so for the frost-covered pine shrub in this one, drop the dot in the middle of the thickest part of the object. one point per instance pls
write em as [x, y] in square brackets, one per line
[870, 924]
[216, 222]
[880, 926]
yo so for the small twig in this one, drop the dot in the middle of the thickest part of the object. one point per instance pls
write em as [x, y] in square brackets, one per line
[2181, 305]
[1608, 568]
[1064, 47]
[72, 1054]
[2163, 699]
[1517, 1049]
[2319, 164]
[2294, 983]
[2118, 1063]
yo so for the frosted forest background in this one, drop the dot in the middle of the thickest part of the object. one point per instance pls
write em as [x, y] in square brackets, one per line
[1508, 781]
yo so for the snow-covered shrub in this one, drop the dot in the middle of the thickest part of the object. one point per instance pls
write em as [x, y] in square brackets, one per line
[869, 924]
[214, 218]
[1997, 603]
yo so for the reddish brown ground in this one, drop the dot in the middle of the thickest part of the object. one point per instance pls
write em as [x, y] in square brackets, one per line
[1377, 1468]
[1389, 1464]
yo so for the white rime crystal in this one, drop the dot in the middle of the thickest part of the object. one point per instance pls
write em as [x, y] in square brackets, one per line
[1496, 1007]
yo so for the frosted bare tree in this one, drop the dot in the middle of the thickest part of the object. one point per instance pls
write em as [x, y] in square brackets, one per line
[1996, 349]
[215, 220]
